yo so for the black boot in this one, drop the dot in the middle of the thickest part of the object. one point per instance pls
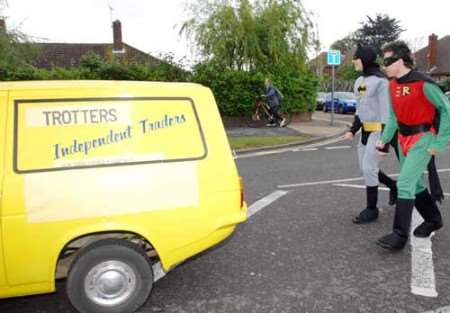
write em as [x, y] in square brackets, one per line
[402, 222]
[370, 213]
[391, 184]
[429, 212]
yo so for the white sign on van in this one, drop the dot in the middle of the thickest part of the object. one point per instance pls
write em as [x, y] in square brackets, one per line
[87, 133]
[111, 191]
[57, 116]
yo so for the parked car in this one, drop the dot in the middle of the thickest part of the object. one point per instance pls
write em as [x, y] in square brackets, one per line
[448, 94]
[344, 102]
[320, 100]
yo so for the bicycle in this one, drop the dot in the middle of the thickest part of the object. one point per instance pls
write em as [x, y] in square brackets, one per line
[263, 117]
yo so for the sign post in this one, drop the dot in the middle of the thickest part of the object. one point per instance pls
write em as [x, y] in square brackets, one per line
[333, 59]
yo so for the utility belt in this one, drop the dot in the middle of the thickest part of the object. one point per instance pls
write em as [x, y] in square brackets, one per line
[372, 126]
[368, 128]
[409, 130]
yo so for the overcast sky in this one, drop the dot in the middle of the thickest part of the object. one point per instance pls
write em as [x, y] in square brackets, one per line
[153, 25]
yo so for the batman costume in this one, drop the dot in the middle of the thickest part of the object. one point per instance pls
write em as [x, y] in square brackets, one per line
[372, 93]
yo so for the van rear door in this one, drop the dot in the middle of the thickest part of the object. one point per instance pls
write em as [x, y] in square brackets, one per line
[3, 102]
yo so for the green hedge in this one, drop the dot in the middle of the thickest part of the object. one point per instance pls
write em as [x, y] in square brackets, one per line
[235, 90]
[94, 67]
[445, 84]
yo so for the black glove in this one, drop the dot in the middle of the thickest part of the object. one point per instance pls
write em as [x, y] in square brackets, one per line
[356, 126]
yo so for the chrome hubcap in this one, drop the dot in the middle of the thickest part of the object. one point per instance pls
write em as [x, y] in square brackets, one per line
[110, 283]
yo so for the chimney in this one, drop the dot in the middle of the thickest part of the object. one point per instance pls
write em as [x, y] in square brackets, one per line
[432, 51]
[117, 34]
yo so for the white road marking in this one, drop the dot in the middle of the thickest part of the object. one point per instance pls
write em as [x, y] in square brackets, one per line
[324, 143]
[445, 309]
[262, 203]
[359, 186]
[336, 181]
[423, 282]
[282, 150]
[255, 154]
[323, 182]
[443, 170]
[337, 147]
[301, 150]
[158, 271]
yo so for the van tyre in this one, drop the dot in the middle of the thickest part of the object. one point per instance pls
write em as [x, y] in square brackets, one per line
[111, 275]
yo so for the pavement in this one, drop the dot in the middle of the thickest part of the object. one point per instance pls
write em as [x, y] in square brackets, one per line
[318, 129]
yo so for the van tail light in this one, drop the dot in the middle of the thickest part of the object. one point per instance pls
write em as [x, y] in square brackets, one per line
[241, 188]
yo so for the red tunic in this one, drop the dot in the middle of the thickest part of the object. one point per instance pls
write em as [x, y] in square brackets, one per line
[411, 107]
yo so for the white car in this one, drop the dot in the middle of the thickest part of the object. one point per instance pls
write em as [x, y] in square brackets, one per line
[448, 94]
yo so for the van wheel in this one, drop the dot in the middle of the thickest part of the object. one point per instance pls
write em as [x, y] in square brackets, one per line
[111, 275]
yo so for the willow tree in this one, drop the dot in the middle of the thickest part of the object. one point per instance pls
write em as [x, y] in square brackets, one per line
[243, 34]
[17, 52]
[241, 42]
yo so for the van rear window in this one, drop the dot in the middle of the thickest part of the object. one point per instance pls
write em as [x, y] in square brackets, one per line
[60, 134]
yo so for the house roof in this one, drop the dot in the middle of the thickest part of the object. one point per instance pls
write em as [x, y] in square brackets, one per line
[134, 87]
[69, 54]
[443, 58]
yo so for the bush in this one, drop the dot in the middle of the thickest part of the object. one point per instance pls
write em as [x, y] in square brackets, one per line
[445, 84]
[94, 67]
[235, 90]
[299, 89]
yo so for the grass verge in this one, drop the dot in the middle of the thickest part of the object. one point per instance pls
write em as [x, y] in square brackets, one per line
[262, 141]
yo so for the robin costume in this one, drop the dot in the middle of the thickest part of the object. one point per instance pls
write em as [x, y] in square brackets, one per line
[418, 106]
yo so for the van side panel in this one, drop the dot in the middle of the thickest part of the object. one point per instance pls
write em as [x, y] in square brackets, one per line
[3, 102]
[26, 247]
[220, 208]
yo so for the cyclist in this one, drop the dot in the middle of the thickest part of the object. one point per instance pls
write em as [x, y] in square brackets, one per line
[274, 97]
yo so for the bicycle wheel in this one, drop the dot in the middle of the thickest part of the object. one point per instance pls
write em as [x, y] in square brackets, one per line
[287, 117]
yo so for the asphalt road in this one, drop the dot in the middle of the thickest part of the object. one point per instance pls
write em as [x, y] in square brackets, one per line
[301, 253]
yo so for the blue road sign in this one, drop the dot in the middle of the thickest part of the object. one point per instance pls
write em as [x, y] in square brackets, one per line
[334, 57]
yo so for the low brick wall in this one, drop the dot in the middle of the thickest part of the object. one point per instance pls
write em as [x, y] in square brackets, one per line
[239, 121]
[302, 117]
[235, 121]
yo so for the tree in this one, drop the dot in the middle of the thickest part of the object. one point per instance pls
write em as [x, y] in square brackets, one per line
[245, 34]
[445, 84]
[378, 31]
[241, 42]
[348, 73]
[16, 50]
[345, 44]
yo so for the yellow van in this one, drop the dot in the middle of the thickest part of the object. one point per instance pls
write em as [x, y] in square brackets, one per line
[103, 180]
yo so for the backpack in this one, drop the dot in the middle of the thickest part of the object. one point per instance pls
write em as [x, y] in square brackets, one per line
[279, 94]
